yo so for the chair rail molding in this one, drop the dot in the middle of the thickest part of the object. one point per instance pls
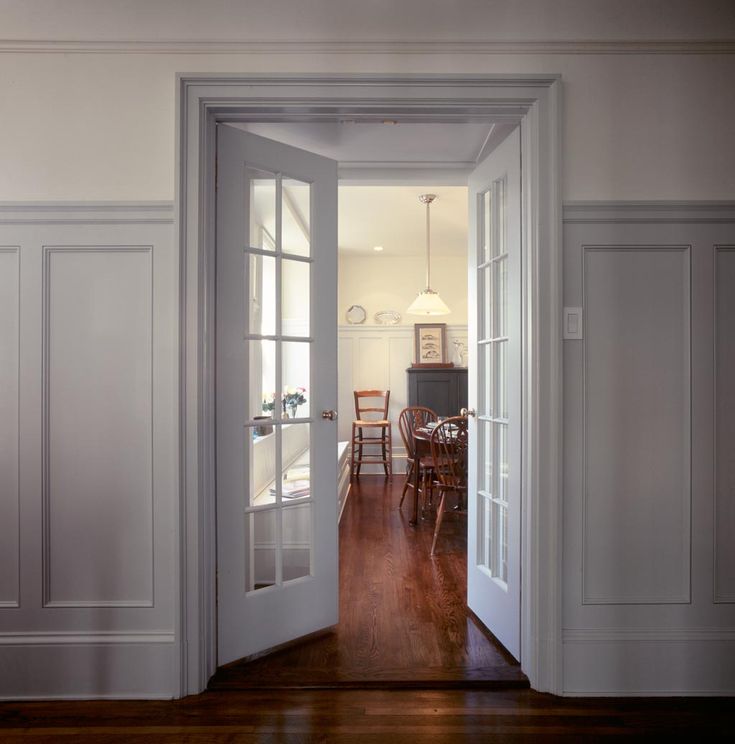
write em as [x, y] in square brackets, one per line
[669, 212]
[87, 213]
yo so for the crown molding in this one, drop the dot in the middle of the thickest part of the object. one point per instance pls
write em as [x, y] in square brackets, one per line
[393, 47]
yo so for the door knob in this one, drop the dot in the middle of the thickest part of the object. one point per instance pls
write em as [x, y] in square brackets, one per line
[331, 415]
[468, 412]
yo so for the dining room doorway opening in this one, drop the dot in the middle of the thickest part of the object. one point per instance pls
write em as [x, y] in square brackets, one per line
[384, 262]
[532, 101]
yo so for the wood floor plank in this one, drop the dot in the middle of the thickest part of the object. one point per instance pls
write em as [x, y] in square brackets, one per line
[347, 716]
[403, 614]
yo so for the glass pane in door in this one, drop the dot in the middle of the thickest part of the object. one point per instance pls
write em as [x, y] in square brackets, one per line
[295, 369]
[261, 383]
[261, 292]
[296, 232]
[262, 528]
[296, 542]
[262, 228]
[492, 360]
[295, 297]
[277, 434]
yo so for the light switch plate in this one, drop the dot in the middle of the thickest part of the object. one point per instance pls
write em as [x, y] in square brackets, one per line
[573, 323]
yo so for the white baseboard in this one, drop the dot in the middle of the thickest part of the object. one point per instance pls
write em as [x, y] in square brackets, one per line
[88, 671]
[668, 666]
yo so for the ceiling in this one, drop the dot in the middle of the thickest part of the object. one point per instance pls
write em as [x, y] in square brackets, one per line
[393, 216]
[384, 167]
[395, 150]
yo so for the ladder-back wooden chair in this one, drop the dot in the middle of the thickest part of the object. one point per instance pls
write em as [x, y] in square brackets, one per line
[410, 419]
[372, 429]
[449, 455]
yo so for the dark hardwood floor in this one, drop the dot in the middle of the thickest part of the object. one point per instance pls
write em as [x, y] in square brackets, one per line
[367, 717]
[404, 621]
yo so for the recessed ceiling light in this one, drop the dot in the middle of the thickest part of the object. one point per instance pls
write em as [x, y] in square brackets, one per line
[377, 247]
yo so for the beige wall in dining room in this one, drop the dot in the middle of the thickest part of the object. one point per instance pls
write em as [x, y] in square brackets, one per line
[392, 283]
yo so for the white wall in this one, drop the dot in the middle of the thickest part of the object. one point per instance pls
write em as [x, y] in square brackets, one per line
[101, 125]
[392, 283]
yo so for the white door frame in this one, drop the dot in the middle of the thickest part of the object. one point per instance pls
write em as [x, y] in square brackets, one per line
[535, 100]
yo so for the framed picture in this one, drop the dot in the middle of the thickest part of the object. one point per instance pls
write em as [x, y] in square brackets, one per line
[431, 344]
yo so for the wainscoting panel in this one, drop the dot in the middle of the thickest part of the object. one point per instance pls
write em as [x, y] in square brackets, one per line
[637, 424]
[98, 427]
[649, 431]
[88, 320]
[9, 440]
[725, 423]
[371, 370]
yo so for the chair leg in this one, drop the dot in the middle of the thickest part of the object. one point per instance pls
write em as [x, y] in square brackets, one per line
[359, 456]
[390, 451]
[409, 477]
[386, 446]
[439, 517]
[354, 458]
[428, 488]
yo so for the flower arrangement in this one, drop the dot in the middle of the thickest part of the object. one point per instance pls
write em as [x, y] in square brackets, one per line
[293, 397]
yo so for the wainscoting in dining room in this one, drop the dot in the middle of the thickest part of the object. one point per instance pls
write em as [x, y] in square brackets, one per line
[377, 357]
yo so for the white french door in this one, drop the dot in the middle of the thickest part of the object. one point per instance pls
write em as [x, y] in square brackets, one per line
[276, 355]
[494, 478]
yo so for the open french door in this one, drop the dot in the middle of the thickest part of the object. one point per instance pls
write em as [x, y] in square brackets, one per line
[494, 478]
[276, 355]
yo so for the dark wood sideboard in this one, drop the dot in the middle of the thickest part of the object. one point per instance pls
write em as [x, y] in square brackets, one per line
[442, 390]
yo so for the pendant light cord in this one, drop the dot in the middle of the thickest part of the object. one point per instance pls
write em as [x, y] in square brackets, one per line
[428, 248]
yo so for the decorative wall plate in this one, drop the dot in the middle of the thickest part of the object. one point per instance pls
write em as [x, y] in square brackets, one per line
[355, 314]
[387, 317]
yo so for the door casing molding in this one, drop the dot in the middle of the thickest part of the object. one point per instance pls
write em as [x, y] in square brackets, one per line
[535, 101]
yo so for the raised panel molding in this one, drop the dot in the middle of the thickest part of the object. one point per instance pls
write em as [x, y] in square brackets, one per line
[637, 457]
[9, 425]
[95, 298]
[724, 407]
[97, 477]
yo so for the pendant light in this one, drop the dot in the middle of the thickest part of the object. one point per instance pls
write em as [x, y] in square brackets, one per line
[428, 301]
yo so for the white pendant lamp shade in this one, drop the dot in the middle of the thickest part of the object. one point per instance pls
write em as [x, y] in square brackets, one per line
[428, 301]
